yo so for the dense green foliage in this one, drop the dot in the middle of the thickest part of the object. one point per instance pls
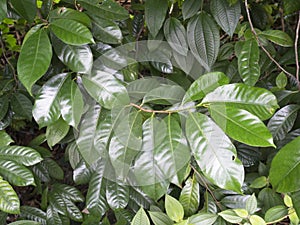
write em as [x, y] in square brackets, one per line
[149, 112]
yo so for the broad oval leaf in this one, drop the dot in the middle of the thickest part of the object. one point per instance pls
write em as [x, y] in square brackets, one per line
[173, 208]
[159, 218]
[256, 220]
[21, 105]
[71, 32]
[15, 173]
[23, 155]
[26, 9]
[278, 37]
[56, 131]
[5, 139]
[175, 34]
[140, 218]
[105, 89]
[34, 59]
[276, 213]
[9, 200]
[55, 171]
[53, 216]
[190, 8]
[214, 152]
[155, 13]
[241, 125]
[190, 196]
[33, 213]
[204, 39]
[203, 219]
[283, 121]
[117, 194]
[205, 84]
[285, 168]
[226, 15]
[258, 101]
[248, 62]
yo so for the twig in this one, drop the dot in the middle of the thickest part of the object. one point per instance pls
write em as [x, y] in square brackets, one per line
[296, 47]
[262, 47]
[160, 111]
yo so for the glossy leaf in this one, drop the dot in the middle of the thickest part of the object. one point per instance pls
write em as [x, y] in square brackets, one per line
[175, 34]
[226, 15]
[296, 202]
[190, 196]
[203, 219]
[34, 59]
[257, 101]
[117, 194]
[53, 217]
[77, 58]
[256, 220]
[278, 37]
[159, 218]
[190, 8]
[21, 105]
[3, 9]
[55, 171]
[276, 213]
[56, 132]
[155, 13]
[248, 62]
[214, 152]
[251, 204]
[281, 80]
[241, 125]
[285, 167]
[203, 39]
[26, 9]
[139, 88]
[283, 121]
[25, 222]
[205, 84]
[71, 32]
[105, 89]
[235, 201]
[33, 213]
[140, 218]
[22, 155]
[173, 208]
[5, 139]
[230, 216]
[9, 200]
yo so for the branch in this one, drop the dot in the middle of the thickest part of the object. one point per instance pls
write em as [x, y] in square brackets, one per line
[262, 47]
[296, 47]
[161, 111]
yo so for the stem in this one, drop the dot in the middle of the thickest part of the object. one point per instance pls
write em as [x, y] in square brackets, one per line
[262, 47]
[296, 47]
[160, 111]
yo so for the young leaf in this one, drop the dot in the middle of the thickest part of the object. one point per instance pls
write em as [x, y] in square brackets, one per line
[56, 132]
[5, 139]
[9, 200]
[278, 37]
[203, 39]
[175, 34]
[256, 220]
[296, 202]
[203, 219]
[257, 101]
[251, 204]
[281, 80]
[248, 62]
[34, 59]
[190, 8]
[174, 209]
[71, 32]
[283, 121]
[230, 216]
[159, 218]
[241, 125]
[214, 152]
[226, 15]
[140, 218]
[190, 196]
[155, 13]
[285, 167]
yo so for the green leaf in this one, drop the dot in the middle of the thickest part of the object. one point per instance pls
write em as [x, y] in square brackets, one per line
[241, 125]
[46, 109]
[285, 168]
[256, 220]
[227, 16]
[257, 101]
[34, 59]
[140, 87]
[248, 62]
[72, 211]
[33, 213]
[235, 201]
[173, 208]
[190, 196]
[259, 182]
[155, 13]
[26, 222]
[117, 194]
[106, 31]
[4, 104]
[53, 217]
[203, 39]
[175, 34]
[5, 139]
[3, 9]
[159, 218]
[15, 173]
[205, 84]
[77, 58]
[190, 8]
[269, 198]
[105, 89]
[55, 171]
[278, 37]
[290, 6]
[140, 218]
[283, 121]
[251, 204]
[21, 105]
[296, 202]
[56, 131]
[9, 200]
[71, 32]
[214, 152]
[22, 155]
[203, 219]
[26, 9]
[230, 216]
[276, 213]
[281, 80]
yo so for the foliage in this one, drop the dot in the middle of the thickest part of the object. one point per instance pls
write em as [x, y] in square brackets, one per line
[150, 112]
